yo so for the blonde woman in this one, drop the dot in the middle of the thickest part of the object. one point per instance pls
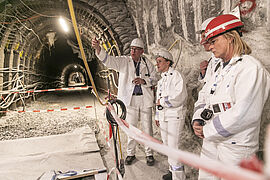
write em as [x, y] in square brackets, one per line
[228, 111]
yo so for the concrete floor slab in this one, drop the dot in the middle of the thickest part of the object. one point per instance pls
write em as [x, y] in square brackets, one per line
[38, 157]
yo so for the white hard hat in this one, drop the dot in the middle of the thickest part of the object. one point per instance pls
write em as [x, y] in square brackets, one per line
[204, 25]
[165, 54]
[236, 12]
[137, 42]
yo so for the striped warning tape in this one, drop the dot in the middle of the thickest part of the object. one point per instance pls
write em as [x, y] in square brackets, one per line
[214, 167]
[45, 90]
[50, 110]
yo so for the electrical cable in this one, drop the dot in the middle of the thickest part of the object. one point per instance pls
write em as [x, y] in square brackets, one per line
[18, 86]
[29, 29]
[35, 11]
[72, 14]
[5, 10]
[107, 76]
[179, 54]
[114, 128]
[173, 44]
[122, 107]
[21, 20]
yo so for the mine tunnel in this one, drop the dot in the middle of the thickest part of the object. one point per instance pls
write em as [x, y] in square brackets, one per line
[36, 44]
[52, 123]
[40, 55]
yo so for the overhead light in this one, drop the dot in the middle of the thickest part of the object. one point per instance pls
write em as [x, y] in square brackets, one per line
[63, 23]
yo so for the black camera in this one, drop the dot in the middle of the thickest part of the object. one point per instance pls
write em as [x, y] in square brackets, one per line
[207, 114]
[159, 107]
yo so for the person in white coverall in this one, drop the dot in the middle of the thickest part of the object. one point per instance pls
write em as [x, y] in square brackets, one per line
[207, 68]
[170, 113]
[228, 112]
[136, 77]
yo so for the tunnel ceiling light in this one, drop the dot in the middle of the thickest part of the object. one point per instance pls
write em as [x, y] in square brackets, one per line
[63, 23]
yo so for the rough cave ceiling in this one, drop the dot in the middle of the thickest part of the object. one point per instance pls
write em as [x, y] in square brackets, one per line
[27, 23]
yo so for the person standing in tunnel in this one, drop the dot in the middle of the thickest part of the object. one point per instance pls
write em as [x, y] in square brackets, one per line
[136, 77]
[170, 113]
[228, 111]
[206, 67]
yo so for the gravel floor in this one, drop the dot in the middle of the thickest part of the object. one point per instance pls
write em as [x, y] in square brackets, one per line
[24, 125]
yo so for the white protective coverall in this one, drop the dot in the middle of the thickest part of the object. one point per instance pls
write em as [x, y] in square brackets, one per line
[171, 90]
[138, 107]
[237, 94]
[212, 62]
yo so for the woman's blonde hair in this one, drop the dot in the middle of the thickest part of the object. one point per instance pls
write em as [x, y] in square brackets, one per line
[240, 47]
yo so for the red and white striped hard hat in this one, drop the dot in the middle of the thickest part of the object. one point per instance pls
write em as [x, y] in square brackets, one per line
[222, 24]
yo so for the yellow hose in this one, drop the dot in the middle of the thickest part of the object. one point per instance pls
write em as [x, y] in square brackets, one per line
[120, 147]
[72, 14]
[173, 44]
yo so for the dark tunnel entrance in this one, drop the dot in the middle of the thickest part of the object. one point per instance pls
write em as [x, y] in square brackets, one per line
[62, 65]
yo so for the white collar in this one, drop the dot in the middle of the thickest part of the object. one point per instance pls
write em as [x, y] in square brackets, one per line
[167, 72]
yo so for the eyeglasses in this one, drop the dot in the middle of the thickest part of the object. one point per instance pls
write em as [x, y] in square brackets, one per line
[135, 49]
[212, 41]
[203, 42]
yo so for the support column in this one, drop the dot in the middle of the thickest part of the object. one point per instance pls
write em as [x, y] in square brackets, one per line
[2, 56]
[8, 64]
[16, 60]
[19, 61]
[26, 66]
[6, 67]
[4, 42]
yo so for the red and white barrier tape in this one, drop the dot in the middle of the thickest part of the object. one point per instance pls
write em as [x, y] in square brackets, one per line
[119, 176]
[214, 167]
[267, 153]
[46, 90]
[104, 133]
[51, 110]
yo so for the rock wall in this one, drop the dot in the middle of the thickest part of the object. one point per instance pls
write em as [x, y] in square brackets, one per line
[160, 23]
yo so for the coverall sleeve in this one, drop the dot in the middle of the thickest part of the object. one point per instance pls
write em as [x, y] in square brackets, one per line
[200, 103]
[250, 96]
[176, 95]
[201, 78]
[210, 70]
[157, 97]
[117, 63]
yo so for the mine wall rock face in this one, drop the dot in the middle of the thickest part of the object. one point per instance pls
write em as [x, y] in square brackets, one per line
[161, 23]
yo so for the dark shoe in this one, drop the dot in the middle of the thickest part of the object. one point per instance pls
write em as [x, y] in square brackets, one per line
[167, 176]
[129, 160]
[150, 161]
